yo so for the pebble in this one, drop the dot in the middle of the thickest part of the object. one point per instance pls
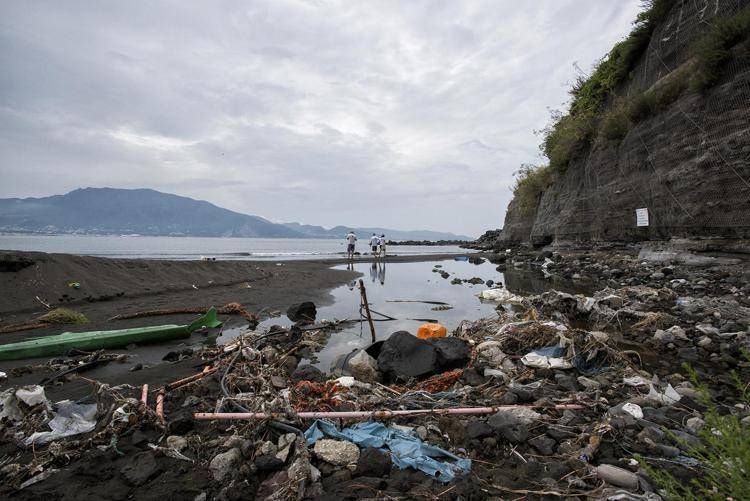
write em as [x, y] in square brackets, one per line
[222, 464]
[336, 452]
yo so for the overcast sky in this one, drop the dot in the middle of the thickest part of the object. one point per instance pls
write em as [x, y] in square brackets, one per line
[403, 114]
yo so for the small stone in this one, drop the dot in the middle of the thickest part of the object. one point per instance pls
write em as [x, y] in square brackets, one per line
[176, 442]
[545, 445]
[278, 382]
[336, 452]
[222, 464]
[140, 468]
[707, 329]
[373, 463]
[421, 432]
[704, 342]
[509, 427]
[589, 383]
[694, 424]
[308, 373]
[268, 463]
[479, 429]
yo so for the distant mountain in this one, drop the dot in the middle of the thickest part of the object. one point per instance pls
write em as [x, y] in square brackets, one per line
[341, 231]
[107, 211]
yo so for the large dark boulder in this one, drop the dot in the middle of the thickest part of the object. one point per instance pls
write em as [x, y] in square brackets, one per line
[303, 311]
[452, 352]
[404, 356]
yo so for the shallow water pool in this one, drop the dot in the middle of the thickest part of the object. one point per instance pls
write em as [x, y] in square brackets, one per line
[394, 289]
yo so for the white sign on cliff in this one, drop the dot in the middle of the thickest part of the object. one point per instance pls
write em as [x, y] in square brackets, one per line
[641, 217]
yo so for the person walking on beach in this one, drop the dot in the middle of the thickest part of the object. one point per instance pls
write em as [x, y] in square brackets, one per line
[351, 238]
[374, 243]
[381, 245]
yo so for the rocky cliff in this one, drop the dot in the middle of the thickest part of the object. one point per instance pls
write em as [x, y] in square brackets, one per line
[688, 163]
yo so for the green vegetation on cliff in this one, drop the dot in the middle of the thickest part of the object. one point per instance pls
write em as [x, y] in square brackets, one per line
[531, 181]
[569, 135]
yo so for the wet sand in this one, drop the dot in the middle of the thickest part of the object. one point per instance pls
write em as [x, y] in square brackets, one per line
[110, 287]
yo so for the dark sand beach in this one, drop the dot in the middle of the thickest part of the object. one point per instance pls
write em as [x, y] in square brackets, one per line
[110, 287]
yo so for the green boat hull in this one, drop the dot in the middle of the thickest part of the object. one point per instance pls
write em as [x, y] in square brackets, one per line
[96, 340]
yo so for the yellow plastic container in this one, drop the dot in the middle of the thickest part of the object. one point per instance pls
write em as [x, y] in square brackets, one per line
[427, 331]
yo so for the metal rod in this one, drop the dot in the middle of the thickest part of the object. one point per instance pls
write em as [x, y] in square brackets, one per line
[381, 414]
[367, 308]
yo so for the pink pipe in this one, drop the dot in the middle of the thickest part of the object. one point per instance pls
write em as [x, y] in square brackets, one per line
[382, 414]
[144, 395]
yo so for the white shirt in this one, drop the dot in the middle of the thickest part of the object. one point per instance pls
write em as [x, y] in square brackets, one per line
[381, 240]
[374, 240]
[351, 238]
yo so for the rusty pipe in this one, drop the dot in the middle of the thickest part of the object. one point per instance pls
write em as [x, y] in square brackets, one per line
[380, 414]
[182, 382]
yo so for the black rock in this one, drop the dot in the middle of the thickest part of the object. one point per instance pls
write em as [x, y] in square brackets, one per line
[268, 463]
[302, 311]
[181, 423]
[308, 373]
[559, 433]
[373, 463]
[479, 429]
[476, 260]
[140, 468]
[452, 352]
[471, 377]
[404, 356]
[172, 356]
[475, 281]
[524, 396]
[509, 427]
[544, 444]
[509, 398]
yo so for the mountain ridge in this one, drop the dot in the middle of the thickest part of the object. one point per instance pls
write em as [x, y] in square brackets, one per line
[144, 211]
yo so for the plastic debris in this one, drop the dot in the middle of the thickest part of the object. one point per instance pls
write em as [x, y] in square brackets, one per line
[633, 409]
[406, 450]
[31, 395]
[70, 419]
[547, 358]
[499, 296]
[668, 397]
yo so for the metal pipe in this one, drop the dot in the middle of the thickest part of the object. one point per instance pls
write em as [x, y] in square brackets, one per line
[381, 414]
[144, 395]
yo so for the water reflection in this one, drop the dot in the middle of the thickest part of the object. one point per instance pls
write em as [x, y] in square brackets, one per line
[402, 298]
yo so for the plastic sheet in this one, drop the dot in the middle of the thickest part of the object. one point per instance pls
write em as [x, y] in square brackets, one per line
[70, 419]
[406, 450]
[550, 357]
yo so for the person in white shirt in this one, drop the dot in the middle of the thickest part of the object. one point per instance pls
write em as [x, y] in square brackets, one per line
[374, 242]
[381, 245]
[351, 238]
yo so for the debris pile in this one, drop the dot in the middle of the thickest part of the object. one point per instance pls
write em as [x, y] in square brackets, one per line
[559, 395]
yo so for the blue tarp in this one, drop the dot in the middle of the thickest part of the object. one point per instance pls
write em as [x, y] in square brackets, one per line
[406, 449]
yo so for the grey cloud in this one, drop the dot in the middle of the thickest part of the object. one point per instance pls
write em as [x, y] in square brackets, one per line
[402, 114]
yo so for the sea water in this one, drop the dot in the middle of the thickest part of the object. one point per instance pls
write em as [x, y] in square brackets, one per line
[187, 248]
[405, 291]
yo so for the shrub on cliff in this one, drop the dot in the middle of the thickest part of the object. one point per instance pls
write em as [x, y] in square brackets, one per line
[569, 134]
[531, 181]
[715, 49]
